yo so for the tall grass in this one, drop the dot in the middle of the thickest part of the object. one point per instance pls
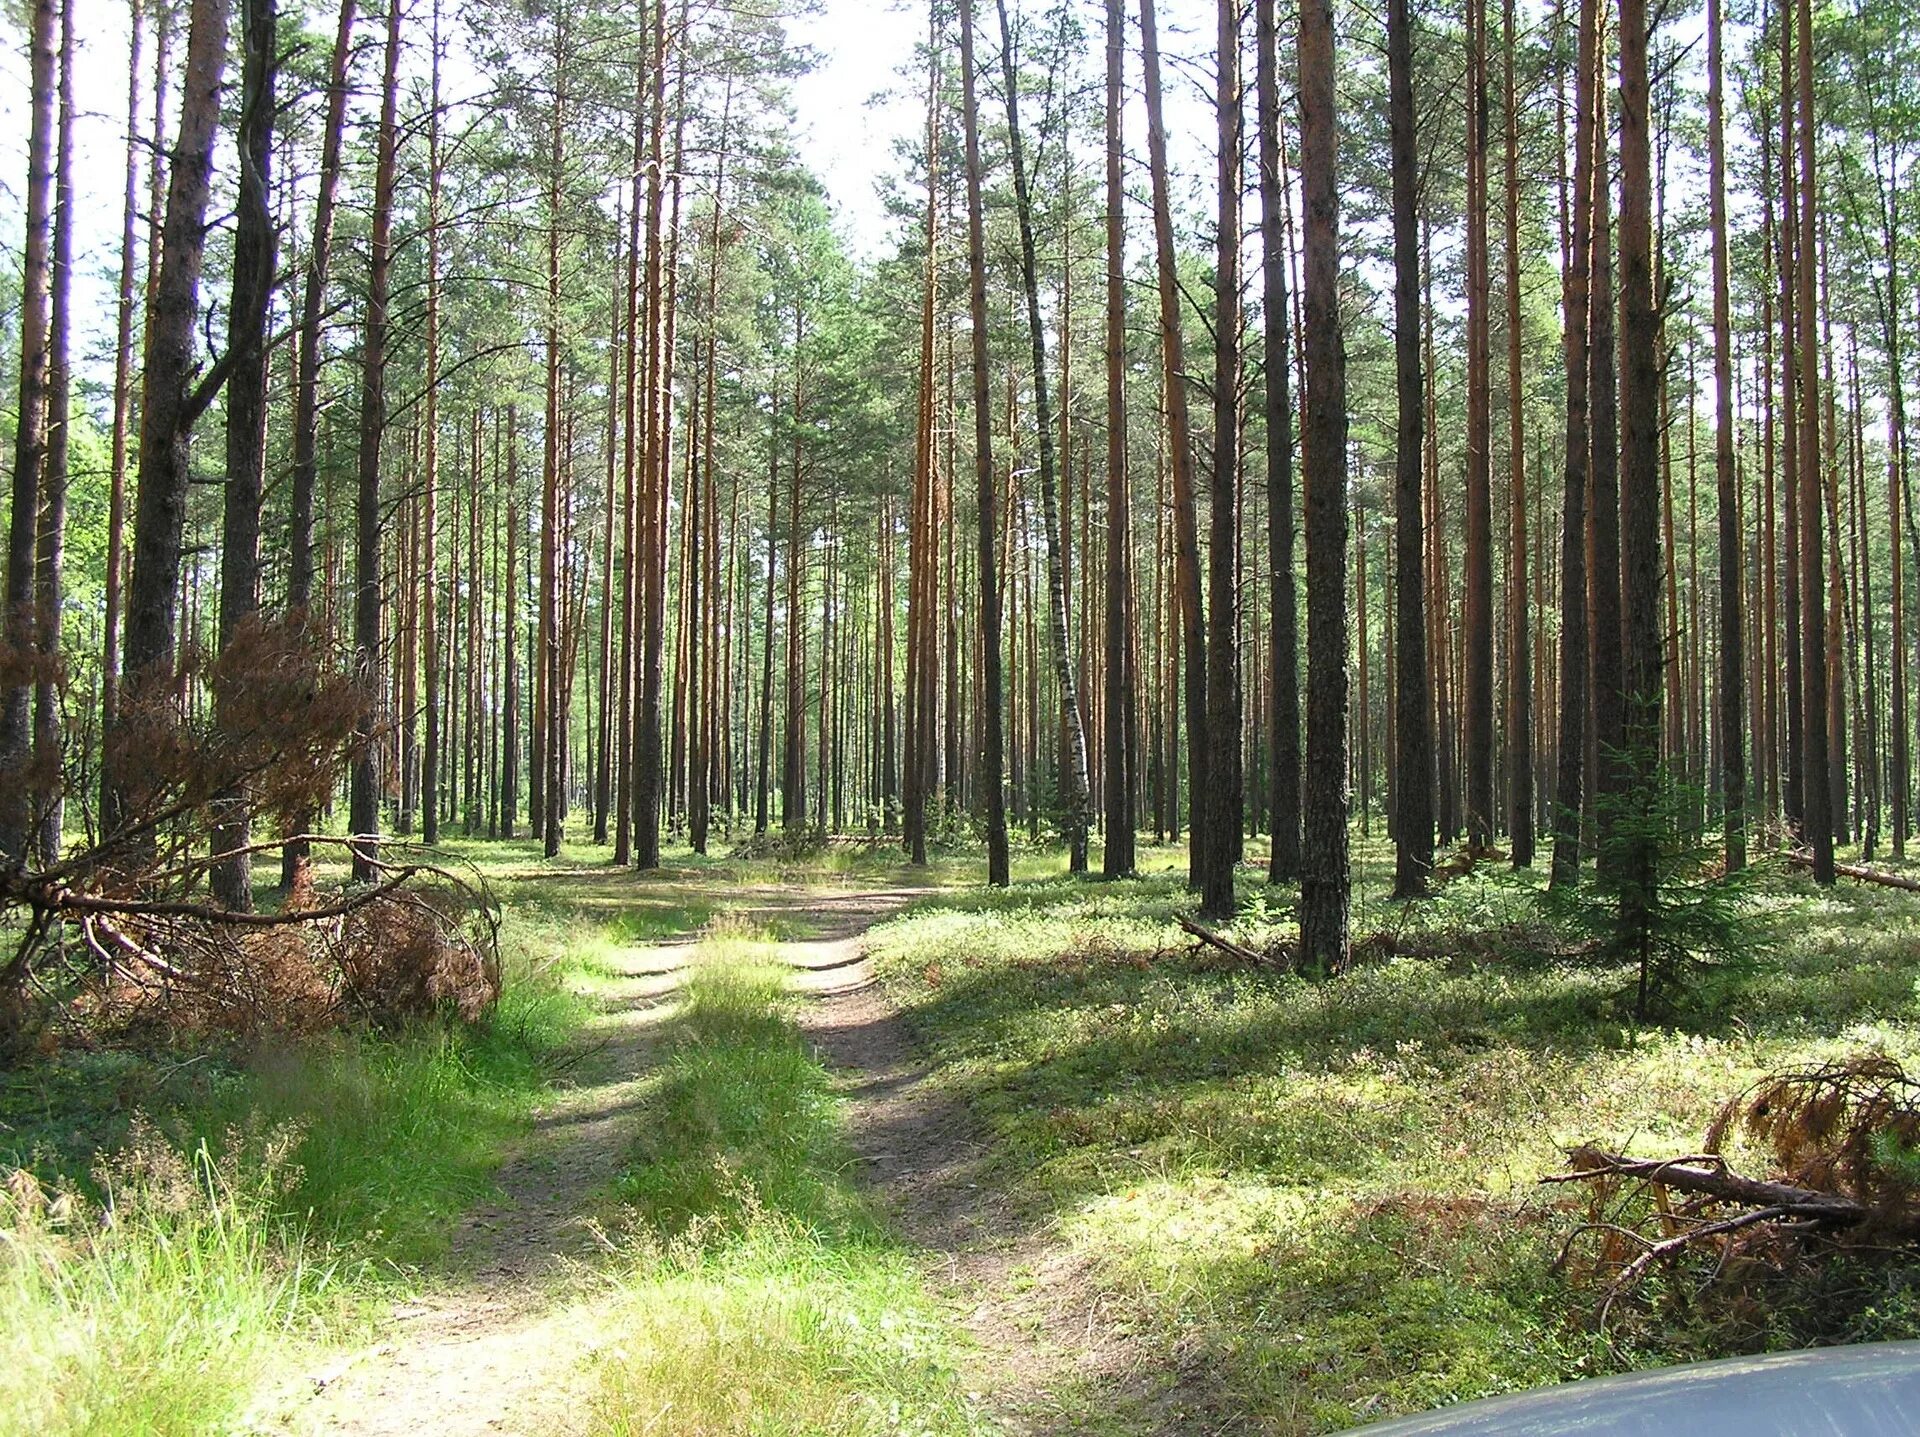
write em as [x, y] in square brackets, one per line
[764, 1297]
[150, 1311]
[176, 1225]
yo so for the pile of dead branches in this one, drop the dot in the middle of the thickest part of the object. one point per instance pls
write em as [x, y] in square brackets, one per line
[107, 960]
[1838, 1141]
[117, 930]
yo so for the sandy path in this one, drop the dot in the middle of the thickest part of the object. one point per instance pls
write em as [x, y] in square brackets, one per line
[490, 1349]
[1039, 1330]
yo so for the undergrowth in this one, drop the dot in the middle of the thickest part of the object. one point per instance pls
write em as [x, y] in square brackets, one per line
[764, 1298]
[177, 1224]
[1311, 1204]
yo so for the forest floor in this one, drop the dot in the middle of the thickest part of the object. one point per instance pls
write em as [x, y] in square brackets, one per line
[828, 1145]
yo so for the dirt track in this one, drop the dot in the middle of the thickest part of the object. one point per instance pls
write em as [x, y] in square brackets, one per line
[493, 1346]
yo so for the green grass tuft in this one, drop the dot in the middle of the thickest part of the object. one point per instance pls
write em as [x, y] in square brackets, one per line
[178, 1226]
[764, 1299]
[151, 1311]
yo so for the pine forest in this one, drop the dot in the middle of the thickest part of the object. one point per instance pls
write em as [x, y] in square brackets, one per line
[1049, 716]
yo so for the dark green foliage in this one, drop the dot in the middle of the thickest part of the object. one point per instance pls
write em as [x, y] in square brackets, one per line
[1657, 898]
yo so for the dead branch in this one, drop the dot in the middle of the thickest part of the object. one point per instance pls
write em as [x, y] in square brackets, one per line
[1238, 951]
[1706, 1177]
[64, 899]
[1861, 873]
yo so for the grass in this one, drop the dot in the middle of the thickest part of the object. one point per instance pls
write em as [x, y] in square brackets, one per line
[1316, 1204]
[763, 1297]
[151, 1311]
[179, 1223]
[1305, 1205]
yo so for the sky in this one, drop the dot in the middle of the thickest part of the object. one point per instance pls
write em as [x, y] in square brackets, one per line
[853, 107]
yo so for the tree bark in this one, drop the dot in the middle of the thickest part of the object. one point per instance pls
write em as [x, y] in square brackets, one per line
[1413, 687]
[1117, 861]
[1225, 812]
[30, 437]
[122, 387]
[170, 405]
[1326, 878]
[254, 247]
[1180, 460]
[1283, 634]
[1477, 620]
[1642, 649]
[49, 778]
[1074, 781]
[1816, 796]
[1732, 633]
[1520, 756]
[306, 383]
[986, 489]
[1609, 715]
[364, 796]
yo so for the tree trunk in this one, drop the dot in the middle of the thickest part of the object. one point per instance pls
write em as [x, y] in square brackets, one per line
[992, 700]
[122, 387]
[1642, 649]
[1519, 624]
[1732, 710]
[1326, 878]
[253, 272]
[1413, 688]
[1816, 793]
[1121, 723]
[49, 778]
[1478, 619]
[1180, 461]
[30, 439]
[793, 753]
[364, 799]
[306, 383]
[510, 702]
[1609, 715]
[1074, 782]
[1225, 813]
[169, 408]
[922, 532]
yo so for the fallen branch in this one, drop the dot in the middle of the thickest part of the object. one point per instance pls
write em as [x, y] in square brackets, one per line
[1861, 873]
[1705, 1177]
[1226, 945]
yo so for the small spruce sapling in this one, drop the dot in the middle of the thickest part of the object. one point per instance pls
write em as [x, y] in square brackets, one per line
[1656, 897]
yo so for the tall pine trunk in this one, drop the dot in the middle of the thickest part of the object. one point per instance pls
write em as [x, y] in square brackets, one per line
[1732, 633]
[1192, 630]
[170, 406]
[1413, 688]
[29, 439]
[253, 266]
[306, 381]
[1478, 618]
[1816, 795]
[364, 793]
[1326, 877]
[1121, 722]
[1519, 625]
[1074, 782]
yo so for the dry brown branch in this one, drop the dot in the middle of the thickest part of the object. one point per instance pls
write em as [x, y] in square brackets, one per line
[157, 950]
[1833, 1132]
[1691, 1175]
[1237, 951]
[1860, 873]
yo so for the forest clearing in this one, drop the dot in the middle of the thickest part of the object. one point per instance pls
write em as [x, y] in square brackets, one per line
[1070, 716]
